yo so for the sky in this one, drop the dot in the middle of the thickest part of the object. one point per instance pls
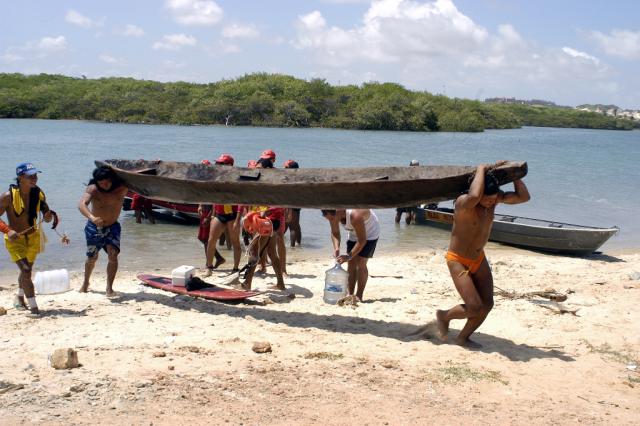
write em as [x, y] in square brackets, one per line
[570, 52]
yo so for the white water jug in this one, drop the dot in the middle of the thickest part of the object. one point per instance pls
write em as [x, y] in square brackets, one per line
[336, 281]
[52, 282]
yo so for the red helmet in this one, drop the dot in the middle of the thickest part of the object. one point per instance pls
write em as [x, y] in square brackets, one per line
[268, 154]
[225, 159]
[291, 164]
[206, 162]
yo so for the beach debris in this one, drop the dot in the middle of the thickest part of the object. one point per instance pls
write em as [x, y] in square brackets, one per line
[557, 308]
[159, 354]
[171, 367]
[8, 387]
[3, 311]
[632, 366]
[64, 359]
[261, 347]
[635, 276]
[398, 277]
[350, 299]
[548, 293]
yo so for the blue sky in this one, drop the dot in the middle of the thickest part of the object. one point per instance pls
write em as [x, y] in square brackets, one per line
[568, 51]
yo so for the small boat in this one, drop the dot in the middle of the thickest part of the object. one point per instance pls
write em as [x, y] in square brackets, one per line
[331, 188]
[178, 212]
[533, 234]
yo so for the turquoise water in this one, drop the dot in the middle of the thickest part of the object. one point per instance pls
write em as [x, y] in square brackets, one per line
[578, 176]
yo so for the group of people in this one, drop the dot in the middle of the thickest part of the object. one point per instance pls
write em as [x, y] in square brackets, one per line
[26, 207]
[222, 219]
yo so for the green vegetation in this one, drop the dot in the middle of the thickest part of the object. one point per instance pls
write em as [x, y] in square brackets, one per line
[272, 100]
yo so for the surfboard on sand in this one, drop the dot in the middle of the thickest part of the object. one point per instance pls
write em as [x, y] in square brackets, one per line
[211, 293]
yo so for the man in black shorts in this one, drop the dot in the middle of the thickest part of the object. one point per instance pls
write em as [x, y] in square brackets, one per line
[364, 230]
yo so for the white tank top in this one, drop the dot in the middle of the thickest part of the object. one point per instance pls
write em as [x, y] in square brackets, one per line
[371, 227]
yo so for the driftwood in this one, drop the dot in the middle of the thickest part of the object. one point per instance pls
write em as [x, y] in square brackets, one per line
[550, 294]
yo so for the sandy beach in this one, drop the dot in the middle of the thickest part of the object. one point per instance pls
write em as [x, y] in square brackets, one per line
[151, 357]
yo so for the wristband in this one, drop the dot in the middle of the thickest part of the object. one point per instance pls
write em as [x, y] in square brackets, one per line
[4, 228]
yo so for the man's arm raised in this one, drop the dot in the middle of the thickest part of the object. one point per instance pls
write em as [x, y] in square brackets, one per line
[520, 195]
[473, 197]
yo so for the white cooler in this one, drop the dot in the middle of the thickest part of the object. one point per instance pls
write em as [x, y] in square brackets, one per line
[182, 274]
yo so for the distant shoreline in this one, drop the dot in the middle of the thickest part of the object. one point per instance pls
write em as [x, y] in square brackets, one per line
[276, 100]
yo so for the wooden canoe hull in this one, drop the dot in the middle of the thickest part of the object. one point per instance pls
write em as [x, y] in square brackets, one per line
[534, 234]
[331, 188]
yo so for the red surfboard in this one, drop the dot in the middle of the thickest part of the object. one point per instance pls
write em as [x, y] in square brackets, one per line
[211, 293]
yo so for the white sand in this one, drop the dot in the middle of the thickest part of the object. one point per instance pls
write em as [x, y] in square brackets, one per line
[330, 364]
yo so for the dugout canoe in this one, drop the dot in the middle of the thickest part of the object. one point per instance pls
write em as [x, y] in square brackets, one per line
[330, 188]
[529, 233]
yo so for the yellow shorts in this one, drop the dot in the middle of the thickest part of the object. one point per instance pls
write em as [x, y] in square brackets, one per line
[24, 247]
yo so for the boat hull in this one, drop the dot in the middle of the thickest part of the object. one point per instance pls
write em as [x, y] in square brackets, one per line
[366, 187]
[533, 234]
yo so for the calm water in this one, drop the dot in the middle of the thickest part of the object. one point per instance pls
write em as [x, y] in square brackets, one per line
[577, 176]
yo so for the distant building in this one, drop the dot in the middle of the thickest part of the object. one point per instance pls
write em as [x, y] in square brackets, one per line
[611, 110]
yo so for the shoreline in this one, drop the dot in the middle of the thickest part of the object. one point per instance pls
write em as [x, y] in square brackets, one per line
[150, 355]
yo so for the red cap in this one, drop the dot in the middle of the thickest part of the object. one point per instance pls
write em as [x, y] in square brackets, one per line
[206, 162]
[225, 159]
[269, 154]
[252, 164]
[291, 164]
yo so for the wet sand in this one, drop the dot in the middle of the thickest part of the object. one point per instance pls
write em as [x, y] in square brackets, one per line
[153, 357]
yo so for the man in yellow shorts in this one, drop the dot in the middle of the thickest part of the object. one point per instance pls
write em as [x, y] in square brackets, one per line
[469, 269]
[23, 204]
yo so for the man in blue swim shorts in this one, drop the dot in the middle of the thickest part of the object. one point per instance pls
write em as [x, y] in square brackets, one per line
[104, 194]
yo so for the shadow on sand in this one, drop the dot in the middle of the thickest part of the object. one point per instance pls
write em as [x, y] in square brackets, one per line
[342, 323]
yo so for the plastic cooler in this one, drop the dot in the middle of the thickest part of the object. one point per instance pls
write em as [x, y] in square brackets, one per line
[182, 274]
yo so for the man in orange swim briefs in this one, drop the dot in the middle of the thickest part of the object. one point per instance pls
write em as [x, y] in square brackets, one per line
[467, 264]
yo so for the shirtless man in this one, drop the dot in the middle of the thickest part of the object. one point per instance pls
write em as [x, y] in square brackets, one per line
[364, 231]
[23, 204]
[104, 193]
[467, 264]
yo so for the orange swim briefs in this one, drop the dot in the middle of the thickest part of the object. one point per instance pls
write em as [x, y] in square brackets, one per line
[472, 264]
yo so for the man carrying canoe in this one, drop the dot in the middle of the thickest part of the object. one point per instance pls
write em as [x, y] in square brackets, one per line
[472, 222]
[104, 193]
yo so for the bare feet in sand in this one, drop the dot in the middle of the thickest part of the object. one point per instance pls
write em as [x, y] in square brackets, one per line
[443, 326]
[219, 261]
[468, 343]
[84, 288]
[280, 287]
[110, 293]
[207, 271]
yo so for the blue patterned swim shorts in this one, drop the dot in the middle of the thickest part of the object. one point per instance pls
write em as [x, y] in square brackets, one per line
[99, 238]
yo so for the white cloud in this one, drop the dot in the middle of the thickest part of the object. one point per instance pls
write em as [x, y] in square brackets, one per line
[431, 45]
[392, 31]
[240, 31]
[76, 18]
[51, 44]
[175, 42]
[578, 54]
[230, 48]
[195, 12]
[112, 60]
[130, 30]
[622, 43]
[11, 58]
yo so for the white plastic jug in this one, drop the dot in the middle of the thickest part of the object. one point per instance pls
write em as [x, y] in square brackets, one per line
[52, 282]
[336, 281]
